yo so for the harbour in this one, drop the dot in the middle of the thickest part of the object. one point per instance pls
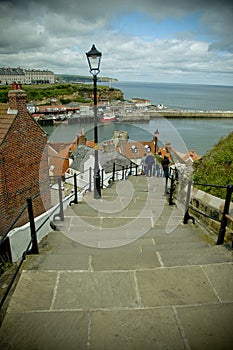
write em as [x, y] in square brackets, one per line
[196, 116]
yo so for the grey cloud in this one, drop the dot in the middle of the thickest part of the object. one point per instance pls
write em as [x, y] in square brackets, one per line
[55, 34]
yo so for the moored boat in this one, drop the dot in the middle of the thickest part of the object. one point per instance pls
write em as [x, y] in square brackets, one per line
[107, 118]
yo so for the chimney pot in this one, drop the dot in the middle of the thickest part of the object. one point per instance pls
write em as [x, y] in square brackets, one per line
[16, 86]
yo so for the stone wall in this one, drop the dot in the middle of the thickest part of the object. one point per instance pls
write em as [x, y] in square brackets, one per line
[213, 207]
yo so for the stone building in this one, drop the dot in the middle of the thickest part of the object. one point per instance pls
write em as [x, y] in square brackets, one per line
[23, 161]
[25, 76]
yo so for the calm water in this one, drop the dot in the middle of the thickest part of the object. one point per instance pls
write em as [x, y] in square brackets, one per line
[184, 134]
[181, 96]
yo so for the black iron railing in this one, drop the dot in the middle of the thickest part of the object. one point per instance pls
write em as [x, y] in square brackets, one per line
[32, 247]
[171, 182]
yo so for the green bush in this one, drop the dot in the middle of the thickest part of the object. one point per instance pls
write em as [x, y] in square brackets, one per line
[4, 93]
[216, 167]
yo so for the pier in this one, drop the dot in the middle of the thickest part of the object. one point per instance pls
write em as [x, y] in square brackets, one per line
[191, 114]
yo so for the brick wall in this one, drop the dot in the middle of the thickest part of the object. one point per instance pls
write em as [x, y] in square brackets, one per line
[24, 164]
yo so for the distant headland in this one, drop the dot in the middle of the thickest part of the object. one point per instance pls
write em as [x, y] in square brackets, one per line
[68, 78]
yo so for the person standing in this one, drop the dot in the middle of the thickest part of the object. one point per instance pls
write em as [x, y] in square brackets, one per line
[165, 165]
[158, 165]
[144, 164]
[150, 161]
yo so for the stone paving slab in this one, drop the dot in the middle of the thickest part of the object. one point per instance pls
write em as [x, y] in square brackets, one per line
[45, 331]
[34, 291]
[172, 246]
[205, 255]
[125, 258]
[63, 262]
[221, 278]
[174, 286]
[208, 326]
[106, 237]
[89, 290]
[135, 329]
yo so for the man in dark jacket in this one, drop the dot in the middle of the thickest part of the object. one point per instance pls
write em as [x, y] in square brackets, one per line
[150, 161]
[165, 164]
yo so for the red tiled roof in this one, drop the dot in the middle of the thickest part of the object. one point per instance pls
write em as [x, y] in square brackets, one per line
[191, 154]
[59, 156]
[127, 149]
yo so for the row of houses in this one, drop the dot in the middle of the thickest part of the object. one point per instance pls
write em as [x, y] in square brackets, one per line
[25, 76]
[68, 159]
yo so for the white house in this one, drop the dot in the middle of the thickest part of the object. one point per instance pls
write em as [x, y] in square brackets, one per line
[82, 163]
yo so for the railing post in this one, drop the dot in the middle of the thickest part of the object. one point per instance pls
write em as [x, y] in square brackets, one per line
[172, 189]
[123, 172]
[130, 169]
[113, 171]
[166, 184]
[34, 248]
[126, 171]
[102, 178]
[187, 217]
[75, 200]
[223, 226]
[89, 179]
[60, 215]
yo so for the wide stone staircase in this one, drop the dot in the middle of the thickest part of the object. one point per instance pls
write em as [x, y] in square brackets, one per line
[124, 272]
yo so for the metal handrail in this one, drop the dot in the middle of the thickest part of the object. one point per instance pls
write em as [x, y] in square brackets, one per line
[32, 247]
[208, 185]
[13, 224]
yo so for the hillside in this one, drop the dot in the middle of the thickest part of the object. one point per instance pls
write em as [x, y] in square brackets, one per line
[216, 167]
[65, 93]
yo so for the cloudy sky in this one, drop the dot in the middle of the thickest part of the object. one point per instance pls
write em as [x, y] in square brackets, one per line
[141, 40]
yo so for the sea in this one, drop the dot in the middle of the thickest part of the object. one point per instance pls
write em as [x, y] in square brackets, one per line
[184, 134]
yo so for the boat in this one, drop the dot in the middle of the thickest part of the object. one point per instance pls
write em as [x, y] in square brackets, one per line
[107, 118]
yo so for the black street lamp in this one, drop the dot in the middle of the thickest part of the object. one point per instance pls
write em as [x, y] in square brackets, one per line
[156, 135]
[93, 58]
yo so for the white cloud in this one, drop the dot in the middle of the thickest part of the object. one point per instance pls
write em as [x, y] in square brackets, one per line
[55, 35]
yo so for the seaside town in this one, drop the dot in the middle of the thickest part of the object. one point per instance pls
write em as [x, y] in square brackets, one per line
[47, 175]
[116, 175]
[134, 110]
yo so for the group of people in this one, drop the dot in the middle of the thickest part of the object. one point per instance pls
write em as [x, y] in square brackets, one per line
[152, 167]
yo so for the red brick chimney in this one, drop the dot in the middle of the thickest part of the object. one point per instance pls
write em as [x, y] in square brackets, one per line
[17, 98]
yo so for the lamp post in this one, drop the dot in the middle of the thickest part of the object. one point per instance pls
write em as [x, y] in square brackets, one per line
[156, 135]
[93, 58]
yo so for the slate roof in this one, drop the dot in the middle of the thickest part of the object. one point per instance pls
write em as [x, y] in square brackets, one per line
[106, 159]
[80, 155]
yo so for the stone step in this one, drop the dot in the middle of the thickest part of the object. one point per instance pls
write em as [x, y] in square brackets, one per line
[143, 253]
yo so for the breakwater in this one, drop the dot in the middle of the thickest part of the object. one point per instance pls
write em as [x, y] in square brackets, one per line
[191, 114]
[168, 113]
